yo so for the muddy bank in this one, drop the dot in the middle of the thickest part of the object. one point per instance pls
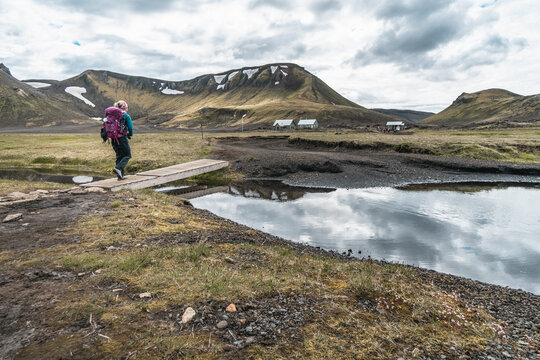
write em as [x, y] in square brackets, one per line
[311, 163]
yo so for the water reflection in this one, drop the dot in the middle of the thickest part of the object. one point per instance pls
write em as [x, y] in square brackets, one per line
[48, 175]
[489, 235]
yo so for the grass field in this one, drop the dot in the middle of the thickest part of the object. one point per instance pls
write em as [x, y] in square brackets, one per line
[87, 152]
[515, 145]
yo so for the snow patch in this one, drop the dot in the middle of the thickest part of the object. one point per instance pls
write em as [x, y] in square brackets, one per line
[277, 82]
[284, 66]
[283, 72]
[82, 179]
[168, 91]
[77, 91]
[250, 72]
[273, 69]
[97, 118]
[37, 85]
[220, 87]
[219, 78]
[244, 115]
[231, 75]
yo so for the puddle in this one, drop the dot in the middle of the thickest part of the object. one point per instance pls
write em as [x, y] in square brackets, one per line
[48, 175]
[487, 232]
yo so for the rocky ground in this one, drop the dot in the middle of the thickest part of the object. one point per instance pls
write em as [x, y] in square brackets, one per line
[38, 221]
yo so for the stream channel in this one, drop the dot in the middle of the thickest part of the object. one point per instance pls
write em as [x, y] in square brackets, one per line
[483, 231]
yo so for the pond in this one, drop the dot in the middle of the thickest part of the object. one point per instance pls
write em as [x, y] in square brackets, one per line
[486, 232]
[49, 175]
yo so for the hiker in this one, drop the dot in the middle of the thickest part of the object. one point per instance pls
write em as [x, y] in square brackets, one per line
[121, 144]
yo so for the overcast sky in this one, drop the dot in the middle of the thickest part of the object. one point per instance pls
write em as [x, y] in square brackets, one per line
[409, 54]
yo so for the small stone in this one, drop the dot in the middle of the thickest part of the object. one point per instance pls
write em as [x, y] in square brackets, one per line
[222, 324]
[230, 260]
[25, 224]
[12, 217]
[250, 340]
[78, 191]
[506, 354]
[95, 189]
[81, 274]
[188, 315]
[242, 321]
[231, 308]
[145, 295]
[38, 192]
[17, 195]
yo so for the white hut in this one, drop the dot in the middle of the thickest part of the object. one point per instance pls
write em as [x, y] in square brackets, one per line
[285, 124]
[308, 124]
[395, 125]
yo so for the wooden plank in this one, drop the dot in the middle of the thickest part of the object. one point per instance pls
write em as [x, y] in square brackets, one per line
[174, 175]
[156, 177]
[192, 165]
[131, 182]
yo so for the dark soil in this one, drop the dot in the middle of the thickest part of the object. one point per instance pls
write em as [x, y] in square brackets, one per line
[316, 164]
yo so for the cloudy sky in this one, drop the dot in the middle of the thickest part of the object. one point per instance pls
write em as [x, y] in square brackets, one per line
[409, 54]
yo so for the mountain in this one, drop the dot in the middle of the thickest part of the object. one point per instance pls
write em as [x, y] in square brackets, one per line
[255, 96]
[21, 105]
[492, 107]
[405, 115]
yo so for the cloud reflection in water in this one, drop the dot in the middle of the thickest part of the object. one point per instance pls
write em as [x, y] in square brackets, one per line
[491, 235]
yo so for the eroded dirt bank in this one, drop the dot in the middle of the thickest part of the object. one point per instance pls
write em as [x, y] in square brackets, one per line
[313, 164]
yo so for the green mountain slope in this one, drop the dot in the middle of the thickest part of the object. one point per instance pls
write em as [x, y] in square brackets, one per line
[493, 107]
[23, 106]
[254, 95]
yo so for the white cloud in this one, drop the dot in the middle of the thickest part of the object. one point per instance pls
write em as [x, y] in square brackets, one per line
[377, 53]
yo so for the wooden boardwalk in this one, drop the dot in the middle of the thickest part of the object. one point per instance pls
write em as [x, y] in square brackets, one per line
[156, 177]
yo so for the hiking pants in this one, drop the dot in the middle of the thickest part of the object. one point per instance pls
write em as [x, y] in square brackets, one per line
[123, 152]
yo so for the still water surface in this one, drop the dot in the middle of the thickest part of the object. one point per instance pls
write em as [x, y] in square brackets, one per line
[490, 233]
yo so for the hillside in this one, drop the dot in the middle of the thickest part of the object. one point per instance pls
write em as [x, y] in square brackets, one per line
[21, 105]
[493, 107]
[406, 115]
[255, 95]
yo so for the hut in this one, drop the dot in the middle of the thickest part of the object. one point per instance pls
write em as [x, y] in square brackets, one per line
[308, 124]
[285, 124]
[395, 125]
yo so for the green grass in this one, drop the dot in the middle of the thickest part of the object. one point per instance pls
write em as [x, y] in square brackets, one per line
[87, 152]
[513, 145]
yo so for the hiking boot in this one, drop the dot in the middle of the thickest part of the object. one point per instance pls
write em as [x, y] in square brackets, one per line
[119, 174]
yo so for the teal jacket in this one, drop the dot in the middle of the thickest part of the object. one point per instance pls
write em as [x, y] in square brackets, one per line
[129, 124]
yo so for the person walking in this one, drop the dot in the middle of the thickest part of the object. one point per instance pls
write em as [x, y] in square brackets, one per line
[121, 146]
